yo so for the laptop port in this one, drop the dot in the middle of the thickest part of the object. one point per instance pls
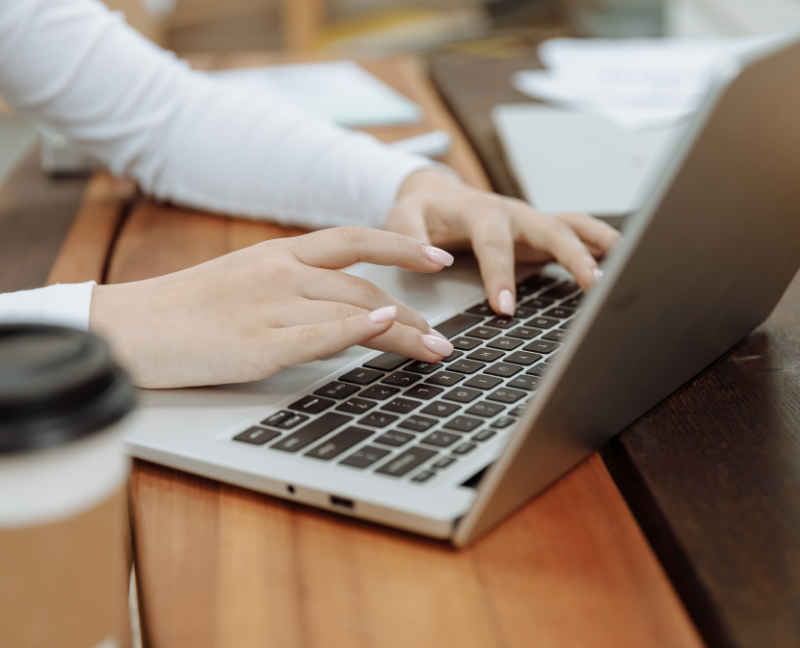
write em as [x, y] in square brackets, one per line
[341, 501]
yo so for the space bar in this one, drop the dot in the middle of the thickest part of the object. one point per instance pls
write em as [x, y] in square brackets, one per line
[456, 324]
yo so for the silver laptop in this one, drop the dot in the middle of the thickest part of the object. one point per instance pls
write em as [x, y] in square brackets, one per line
[450, 449]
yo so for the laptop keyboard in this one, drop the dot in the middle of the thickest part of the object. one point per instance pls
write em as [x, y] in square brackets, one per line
[407, 419]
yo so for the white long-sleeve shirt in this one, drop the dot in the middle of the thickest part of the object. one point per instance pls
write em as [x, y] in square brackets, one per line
[77, 67]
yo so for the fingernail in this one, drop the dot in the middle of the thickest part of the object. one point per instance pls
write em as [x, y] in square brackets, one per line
[437, 345]
[381, 315]
[598, 274]
[507, 305]
[432, 331]
[439, 256]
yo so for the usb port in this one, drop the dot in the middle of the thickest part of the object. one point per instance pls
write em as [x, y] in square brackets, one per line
[343, 502]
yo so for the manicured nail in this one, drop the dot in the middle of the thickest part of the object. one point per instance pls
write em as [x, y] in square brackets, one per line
[507, 305]
[432, 331]
[598, 274]
[439, 256]
[437, 345]
[380, 315]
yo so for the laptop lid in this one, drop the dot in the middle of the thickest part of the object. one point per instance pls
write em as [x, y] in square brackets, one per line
[704, 262]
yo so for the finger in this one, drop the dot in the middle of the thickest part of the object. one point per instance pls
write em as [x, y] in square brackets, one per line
[561, 241]
[402, 339]
[347, 289]
[308, 342]
[408, 221]
[598, 236]
[343, 246]
[493, 243]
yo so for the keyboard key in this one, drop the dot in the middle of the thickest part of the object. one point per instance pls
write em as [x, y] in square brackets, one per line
[483, 381]
[256, 436]
[455, 355]
[338, 443]
[463, 424]
[539, 303]
[542, 346]
[519, 410]
[462, 395]
[504, 344]
[277, 418]
[361, 376]
[523, 312]
[445, 378]
[355, 406]
[364, 457]
[559, 312]
[543, 322]
[425, 392]
[401, 405]
[418, 423]
[440, 409]
[524, 333]
[503, 369]
[503, 422]
[395, 439]
[337, 390]
[378, 419]
[562, 290]
[444, 462]
[311, 432]
[533, 284]
[537, 370]
[524, 382]
[456, 324]
[423, 367]
[441, 439]
[379, 392]
[292, 421]
[504, 395]
[575, 302]
[425, 475]
[465, 344]
[406, 462]
[464, 448]
[484, 332]
[386, 362]
[466, 366]
[556, 335]
[524, 358]
[311, 404]
[485, 409]
[502, 321]
[484, 310]
[401, 379]
[565, 326]
[551, 358]
[486, 355]
[484, 435]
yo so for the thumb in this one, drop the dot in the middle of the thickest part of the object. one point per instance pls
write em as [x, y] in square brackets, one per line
[309, 342]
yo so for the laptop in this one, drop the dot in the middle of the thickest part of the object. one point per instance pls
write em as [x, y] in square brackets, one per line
[451, 449]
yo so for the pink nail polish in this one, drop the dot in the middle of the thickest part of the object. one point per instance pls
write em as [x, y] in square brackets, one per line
[437, 345]
[380, 315]
[598, 274]
[507, 305]
[432, 331]
[439, 256]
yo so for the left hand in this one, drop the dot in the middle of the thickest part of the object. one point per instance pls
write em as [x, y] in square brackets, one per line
[438, 209]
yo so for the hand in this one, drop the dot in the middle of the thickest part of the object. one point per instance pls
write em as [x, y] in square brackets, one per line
[247, 315]
[435, 208]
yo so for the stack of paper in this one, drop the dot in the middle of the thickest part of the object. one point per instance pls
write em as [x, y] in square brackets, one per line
[636, 83]
[340, 91]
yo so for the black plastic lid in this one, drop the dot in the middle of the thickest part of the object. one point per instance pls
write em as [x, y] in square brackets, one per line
[56, 385]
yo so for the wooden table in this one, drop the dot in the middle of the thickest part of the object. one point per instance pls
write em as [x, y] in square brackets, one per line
[221, 566]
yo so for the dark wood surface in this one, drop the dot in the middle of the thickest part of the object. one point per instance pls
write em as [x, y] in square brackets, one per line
[713, 472]
[35, 215]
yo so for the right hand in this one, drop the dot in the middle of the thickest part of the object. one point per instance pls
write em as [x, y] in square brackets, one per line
[249, 314]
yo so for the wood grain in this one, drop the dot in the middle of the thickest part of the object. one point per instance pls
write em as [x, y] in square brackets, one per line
[219, 566]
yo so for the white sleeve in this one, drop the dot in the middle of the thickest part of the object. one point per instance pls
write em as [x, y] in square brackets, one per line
[185, 137]
[64, 304]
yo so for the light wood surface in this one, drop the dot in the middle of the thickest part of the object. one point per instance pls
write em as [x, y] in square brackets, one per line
[222, 567]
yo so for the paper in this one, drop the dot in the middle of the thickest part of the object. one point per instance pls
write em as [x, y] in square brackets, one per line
[339, 91]
[635, 83]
